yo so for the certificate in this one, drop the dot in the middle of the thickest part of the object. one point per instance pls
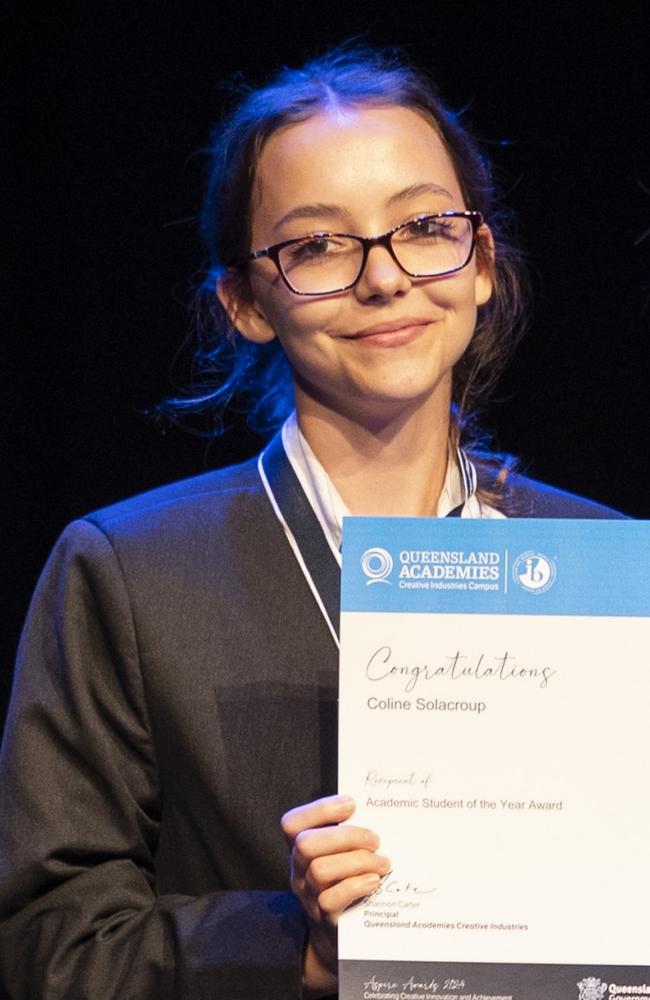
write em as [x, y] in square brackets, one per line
[495, 733]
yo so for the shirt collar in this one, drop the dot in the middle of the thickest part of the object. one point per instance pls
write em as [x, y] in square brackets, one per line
[459, 488]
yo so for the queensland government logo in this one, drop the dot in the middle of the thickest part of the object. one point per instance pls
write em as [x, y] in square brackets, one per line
[377, 564]
[591, 989]
[534, 572]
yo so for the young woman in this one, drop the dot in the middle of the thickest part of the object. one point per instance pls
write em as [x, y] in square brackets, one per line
[177, 679]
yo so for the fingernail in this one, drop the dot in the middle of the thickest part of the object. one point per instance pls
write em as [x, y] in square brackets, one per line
[371, 881]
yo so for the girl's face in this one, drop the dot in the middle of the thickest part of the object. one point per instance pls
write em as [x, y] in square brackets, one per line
[389, 344]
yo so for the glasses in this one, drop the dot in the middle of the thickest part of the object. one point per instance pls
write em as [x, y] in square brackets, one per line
[426, 247]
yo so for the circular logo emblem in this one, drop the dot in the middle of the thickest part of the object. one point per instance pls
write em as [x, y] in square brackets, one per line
[534, 572]
[377, 564]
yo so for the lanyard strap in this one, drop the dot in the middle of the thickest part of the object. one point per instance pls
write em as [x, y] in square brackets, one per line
[303, 531]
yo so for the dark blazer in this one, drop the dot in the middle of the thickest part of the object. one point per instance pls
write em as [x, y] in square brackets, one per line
[175, 693]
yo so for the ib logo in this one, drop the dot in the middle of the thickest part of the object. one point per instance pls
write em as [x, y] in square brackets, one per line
[377, 564]
[534, 572]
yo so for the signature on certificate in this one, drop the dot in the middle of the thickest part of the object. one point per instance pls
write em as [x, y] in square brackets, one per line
[390, 885]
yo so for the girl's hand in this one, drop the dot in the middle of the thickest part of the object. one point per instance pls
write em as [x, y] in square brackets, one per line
[332, 866]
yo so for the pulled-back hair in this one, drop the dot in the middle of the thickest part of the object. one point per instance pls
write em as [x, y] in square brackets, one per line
[350, 76]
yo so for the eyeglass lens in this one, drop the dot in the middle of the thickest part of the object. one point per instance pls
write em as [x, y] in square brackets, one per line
[423, 248]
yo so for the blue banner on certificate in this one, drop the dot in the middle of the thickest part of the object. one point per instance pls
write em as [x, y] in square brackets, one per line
[494, 731]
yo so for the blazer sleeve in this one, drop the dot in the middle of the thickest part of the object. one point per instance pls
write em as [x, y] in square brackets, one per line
[80, 804]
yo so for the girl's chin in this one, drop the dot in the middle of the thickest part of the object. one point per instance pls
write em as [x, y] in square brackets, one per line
[362, 403]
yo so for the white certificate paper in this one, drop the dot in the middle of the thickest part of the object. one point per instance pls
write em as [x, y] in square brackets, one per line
[495, 733]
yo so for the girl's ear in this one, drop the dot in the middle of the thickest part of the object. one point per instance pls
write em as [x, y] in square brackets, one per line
[484, 265]
[244, 312]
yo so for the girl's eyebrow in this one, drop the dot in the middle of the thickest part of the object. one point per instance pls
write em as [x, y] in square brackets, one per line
[323, 210]
[415, 190]
[317, 210]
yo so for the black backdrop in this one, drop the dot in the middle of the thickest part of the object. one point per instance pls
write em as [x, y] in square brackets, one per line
[112, 104]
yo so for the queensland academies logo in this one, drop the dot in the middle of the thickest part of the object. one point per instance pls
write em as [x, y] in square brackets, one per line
[591, 989]
[377, 564]
[534, 572]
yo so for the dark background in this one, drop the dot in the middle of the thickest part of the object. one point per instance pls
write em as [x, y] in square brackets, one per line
[112, 103]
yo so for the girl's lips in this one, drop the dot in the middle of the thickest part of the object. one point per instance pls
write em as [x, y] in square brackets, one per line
[393, 333]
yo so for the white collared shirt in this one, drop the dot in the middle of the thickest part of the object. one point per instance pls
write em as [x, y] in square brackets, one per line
[459, 486]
